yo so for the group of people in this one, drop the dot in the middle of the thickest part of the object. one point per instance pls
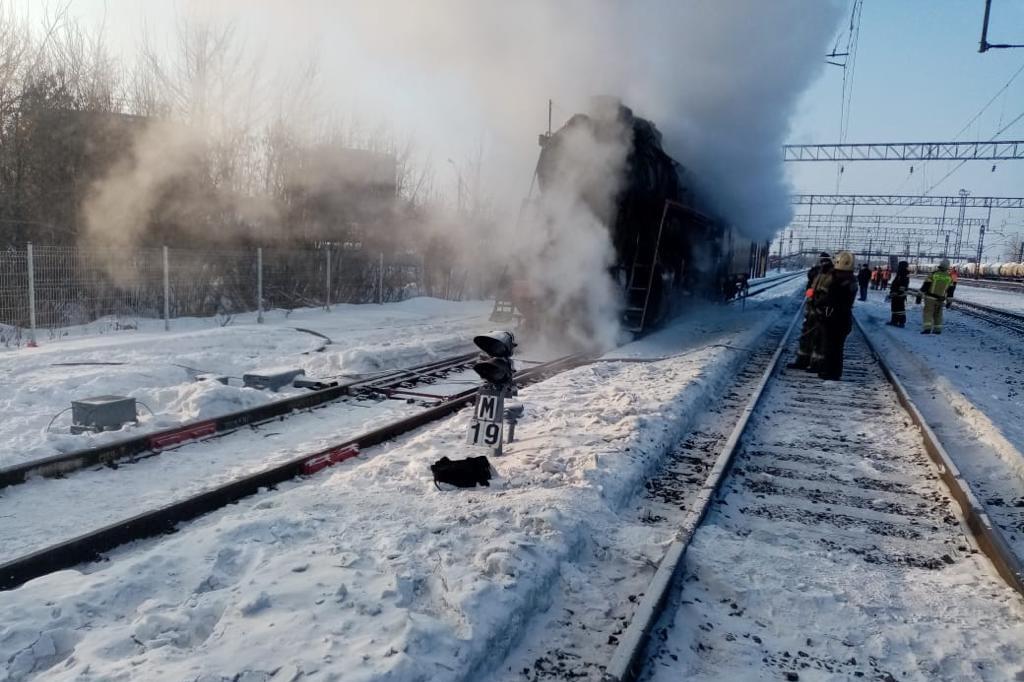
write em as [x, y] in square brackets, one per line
[879, 277]
[936, 291]
[828, 312]
[828, 316]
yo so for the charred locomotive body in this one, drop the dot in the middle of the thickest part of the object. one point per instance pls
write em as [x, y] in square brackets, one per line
[664, 244]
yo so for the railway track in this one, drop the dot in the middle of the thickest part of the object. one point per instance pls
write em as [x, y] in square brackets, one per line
[70, 546]
[770, 284]
[1001, 318]
[1000, 285]
[822, 491]
[398, 383]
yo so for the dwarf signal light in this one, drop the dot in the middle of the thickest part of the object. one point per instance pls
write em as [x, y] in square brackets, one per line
[497, 367]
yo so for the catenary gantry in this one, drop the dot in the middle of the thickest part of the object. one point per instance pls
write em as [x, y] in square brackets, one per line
[906, 151]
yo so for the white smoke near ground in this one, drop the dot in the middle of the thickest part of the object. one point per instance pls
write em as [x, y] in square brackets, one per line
[562, 251]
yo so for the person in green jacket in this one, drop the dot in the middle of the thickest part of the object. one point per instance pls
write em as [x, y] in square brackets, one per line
[935, 290]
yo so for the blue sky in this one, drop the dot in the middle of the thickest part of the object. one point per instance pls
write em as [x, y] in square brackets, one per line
[919, 77]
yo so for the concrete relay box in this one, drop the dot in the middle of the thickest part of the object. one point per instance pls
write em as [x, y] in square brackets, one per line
[102, 413]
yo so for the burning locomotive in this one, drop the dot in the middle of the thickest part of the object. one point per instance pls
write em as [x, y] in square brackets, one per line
[665, 245]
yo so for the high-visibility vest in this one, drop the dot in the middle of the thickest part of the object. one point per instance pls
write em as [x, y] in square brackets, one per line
[940, 282]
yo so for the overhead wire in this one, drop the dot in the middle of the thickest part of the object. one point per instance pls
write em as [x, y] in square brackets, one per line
[963, 129]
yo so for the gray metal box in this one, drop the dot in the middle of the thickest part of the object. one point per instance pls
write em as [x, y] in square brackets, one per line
[102, 413]
[272, 379]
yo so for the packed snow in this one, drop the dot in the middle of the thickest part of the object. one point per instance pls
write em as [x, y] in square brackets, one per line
[158, 368]
[368, 571]
[969, 385]
[834, 552]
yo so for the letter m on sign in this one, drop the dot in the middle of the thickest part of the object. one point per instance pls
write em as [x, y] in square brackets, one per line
[488, 407]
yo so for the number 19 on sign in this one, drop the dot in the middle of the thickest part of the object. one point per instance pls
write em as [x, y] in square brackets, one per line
[484, 434]
[485, 430]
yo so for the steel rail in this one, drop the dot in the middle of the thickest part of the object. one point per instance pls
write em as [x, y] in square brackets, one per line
[623, 666]
[626, 663]
[91, 545]
[771, 284]
[157, 441]
[988, 536]
[1001, 318]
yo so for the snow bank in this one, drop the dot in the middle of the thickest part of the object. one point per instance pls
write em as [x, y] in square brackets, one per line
[157, 368]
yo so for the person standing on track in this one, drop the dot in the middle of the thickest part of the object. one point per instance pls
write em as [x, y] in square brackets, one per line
[863, 279]
[898, 295]
[838, 315]
[936, 291]
[808, 332]
[818, 301]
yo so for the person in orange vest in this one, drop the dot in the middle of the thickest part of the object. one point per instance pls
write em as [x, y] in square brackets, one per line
[886, 276]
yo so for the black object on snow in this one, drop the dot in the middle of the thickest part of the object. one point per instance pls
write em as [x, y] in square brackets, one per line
[462, 473]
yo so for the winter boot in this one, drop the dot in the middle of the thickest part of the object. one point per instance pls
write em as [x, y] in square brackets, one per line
[926, 331]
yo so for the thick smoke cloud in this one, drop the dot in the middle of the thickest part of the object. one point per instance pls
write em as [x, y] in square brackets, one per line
[720, 78]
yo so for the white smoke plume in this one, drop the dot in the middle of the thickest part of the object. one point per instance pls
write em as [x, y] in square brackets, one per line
[720, 78]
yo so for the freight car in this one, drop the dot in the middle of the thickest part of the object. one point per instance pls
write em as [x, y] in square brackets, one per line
[667, 243]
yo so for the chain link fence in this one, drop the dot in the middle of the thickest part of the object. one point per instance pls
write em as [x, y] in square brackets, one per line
[49, 289]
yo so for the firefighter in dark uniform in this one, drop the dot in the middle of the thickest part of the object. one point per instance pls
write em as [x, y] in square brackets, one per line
[837, 315]
[819, 302]
[808, 332]
[935, 290]
[898, 295]
[863, 279]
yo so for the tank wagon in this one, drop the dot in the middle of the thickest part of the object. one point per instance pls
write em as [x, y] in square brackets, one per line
[667, 243]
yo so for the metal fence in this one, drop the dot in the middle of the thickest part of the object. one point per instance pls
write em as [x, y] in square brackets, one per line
[46, 289]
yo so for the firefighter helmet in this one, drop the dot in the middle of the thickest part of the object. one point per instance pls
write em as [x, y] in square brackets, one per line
[944, 264]
[844, 261]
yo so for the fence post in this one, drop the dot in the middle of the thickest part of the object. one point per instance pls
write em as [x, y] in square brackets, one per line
[259, 284]
[327, 297]
[380, 280]
[31, 298]
[167, 294]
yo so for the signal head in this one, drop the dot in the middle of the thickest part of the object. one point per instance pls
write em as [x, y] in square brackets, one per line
[498, 344]
[495, 370]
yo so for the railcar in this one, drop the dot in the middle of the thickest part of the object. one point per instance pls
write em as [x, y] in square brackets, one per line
[668, 244]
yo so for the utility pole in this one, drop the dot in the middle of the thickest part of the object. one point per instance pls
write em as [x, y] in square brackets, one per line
[960, 223]
[981, 243]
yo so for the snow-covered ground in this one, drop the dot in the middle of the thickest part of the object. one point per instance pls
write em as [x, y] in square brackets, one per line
[369, 572]
[157, 367]
[969, 384]
[834, 552]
